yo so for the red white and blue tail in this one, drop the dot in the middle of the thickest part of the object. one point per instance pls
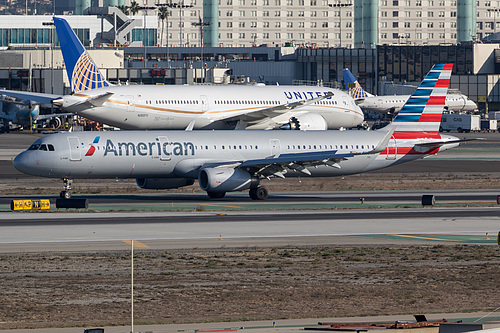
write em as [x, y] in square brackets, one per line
[423, 110]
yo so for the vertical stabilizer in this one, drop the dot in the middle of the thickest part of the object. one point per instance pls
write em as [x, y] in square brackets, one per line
[423, 110]
[352, 85]
[82, 71]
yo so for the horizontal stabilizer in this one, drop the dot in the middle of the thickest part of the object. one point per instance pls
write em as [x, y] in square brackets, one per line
[36, 97]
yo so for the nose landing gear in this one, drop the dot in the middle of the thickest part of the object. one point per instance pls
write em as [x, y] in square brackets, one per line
[66, 193]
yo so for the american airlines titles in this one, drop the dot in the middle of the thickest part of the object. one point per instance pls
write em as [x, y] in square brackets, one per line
[156, 148]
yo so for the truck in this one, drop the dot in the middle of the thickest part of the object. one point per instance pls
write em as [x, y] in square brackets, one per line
[489, 125]
[461, 122]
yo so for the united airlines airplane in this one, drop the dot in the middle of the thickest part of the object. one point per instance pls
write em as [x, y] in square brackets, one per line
[393, 103]
[192, 107]
[225, 161]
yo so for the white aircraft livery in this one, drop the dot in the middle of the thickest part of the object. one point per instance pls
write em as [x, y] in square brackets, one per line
[394, 103]
[226, 161]
[192, 107]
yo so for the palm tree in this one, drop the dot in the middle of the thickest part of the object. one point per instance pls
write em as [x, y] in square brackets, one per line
[124, 9]
[134, 7]
[163, 15]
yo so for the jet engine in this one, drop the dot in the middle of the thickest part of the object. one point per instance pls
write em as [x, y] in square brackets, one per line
[306, 121]
[163, 183]
[226, 180]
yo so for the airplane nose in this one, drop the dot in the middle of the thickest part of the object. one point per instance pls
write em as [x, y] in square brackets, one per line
[21, 162]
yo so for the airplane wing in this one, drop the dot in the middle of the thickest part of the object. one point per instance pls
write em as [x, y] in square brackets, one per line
[37, 97]
[256, 116]
[6, 117]
[300, 162]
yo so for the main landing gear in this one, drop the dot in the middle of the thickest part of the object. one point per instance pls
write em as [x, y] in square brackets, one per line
[66, 193]
[258, 193]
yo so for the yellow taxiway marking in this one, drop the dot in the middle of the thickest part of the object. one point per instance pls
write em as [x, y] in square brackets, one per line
[431, 238]
[221, 206]
[137, 244]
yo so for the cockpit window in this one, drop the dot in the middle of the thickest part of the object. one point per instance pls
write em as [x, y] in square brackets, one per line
[34, 147]
[44, 147]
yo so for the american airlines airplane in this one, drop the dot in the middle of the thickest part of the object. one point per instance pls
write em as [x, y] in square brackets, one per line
[393, 103]
[225, 161]
[192, 107]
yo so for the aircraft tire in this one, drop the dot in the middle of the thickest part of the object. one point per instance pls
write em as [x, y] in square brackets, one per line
[65, 194]
[259, 193]
[216, 195]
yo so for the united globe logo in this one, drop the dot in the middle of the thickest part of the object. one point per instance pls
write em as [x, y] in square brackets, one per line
[86, 75]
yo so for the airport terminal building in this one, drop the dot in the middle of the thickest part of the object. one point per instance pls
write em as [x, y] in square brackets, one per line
[115, 41]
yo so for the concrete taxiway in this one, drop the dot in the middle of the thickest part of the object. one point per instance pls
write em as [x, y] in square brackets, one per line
[70, 231]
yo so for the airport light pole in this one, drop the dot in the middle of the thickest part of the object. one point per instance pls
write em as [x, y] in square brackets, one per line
[340, 6]
[495, 11]
[201, 24]
[145, 8]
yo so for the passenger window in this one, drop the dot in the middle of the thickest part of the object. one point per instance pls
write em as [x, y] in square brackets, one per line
[206, 147]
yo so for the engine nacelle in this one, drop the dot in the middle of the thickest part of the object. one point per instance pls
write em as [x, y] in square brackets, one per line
[163, 183]
[306, 121]
[226, 180]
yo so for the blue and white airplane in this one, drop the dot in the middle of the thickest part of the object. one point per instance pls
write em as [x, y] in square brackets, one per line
[192, 107]
[24, 113]
[225, 161]
[393, 103]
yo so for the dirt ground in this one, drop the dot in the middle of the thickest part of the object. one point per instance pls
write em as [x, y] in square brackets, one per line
[93, 289]
[362, 182]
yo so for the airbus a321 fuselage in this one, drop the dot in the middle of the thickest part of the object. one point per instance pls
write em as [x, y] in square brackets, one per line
[192, 106]
[225, 161]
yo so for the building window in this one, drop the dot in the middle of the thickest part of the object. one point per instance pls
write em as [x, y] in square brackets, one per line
[395, 13]
[324, 24]
[313, 14]
[277, 13]
[395, 24]
[301, 13]
[241, 35]
[313, 35]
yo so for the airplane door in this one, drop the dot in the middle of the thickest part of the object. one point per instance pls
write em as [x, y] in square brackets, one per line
[392, 149]
[204, 103]
[275, 147]
[166, 149]
[130, 103]
[75, 150]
